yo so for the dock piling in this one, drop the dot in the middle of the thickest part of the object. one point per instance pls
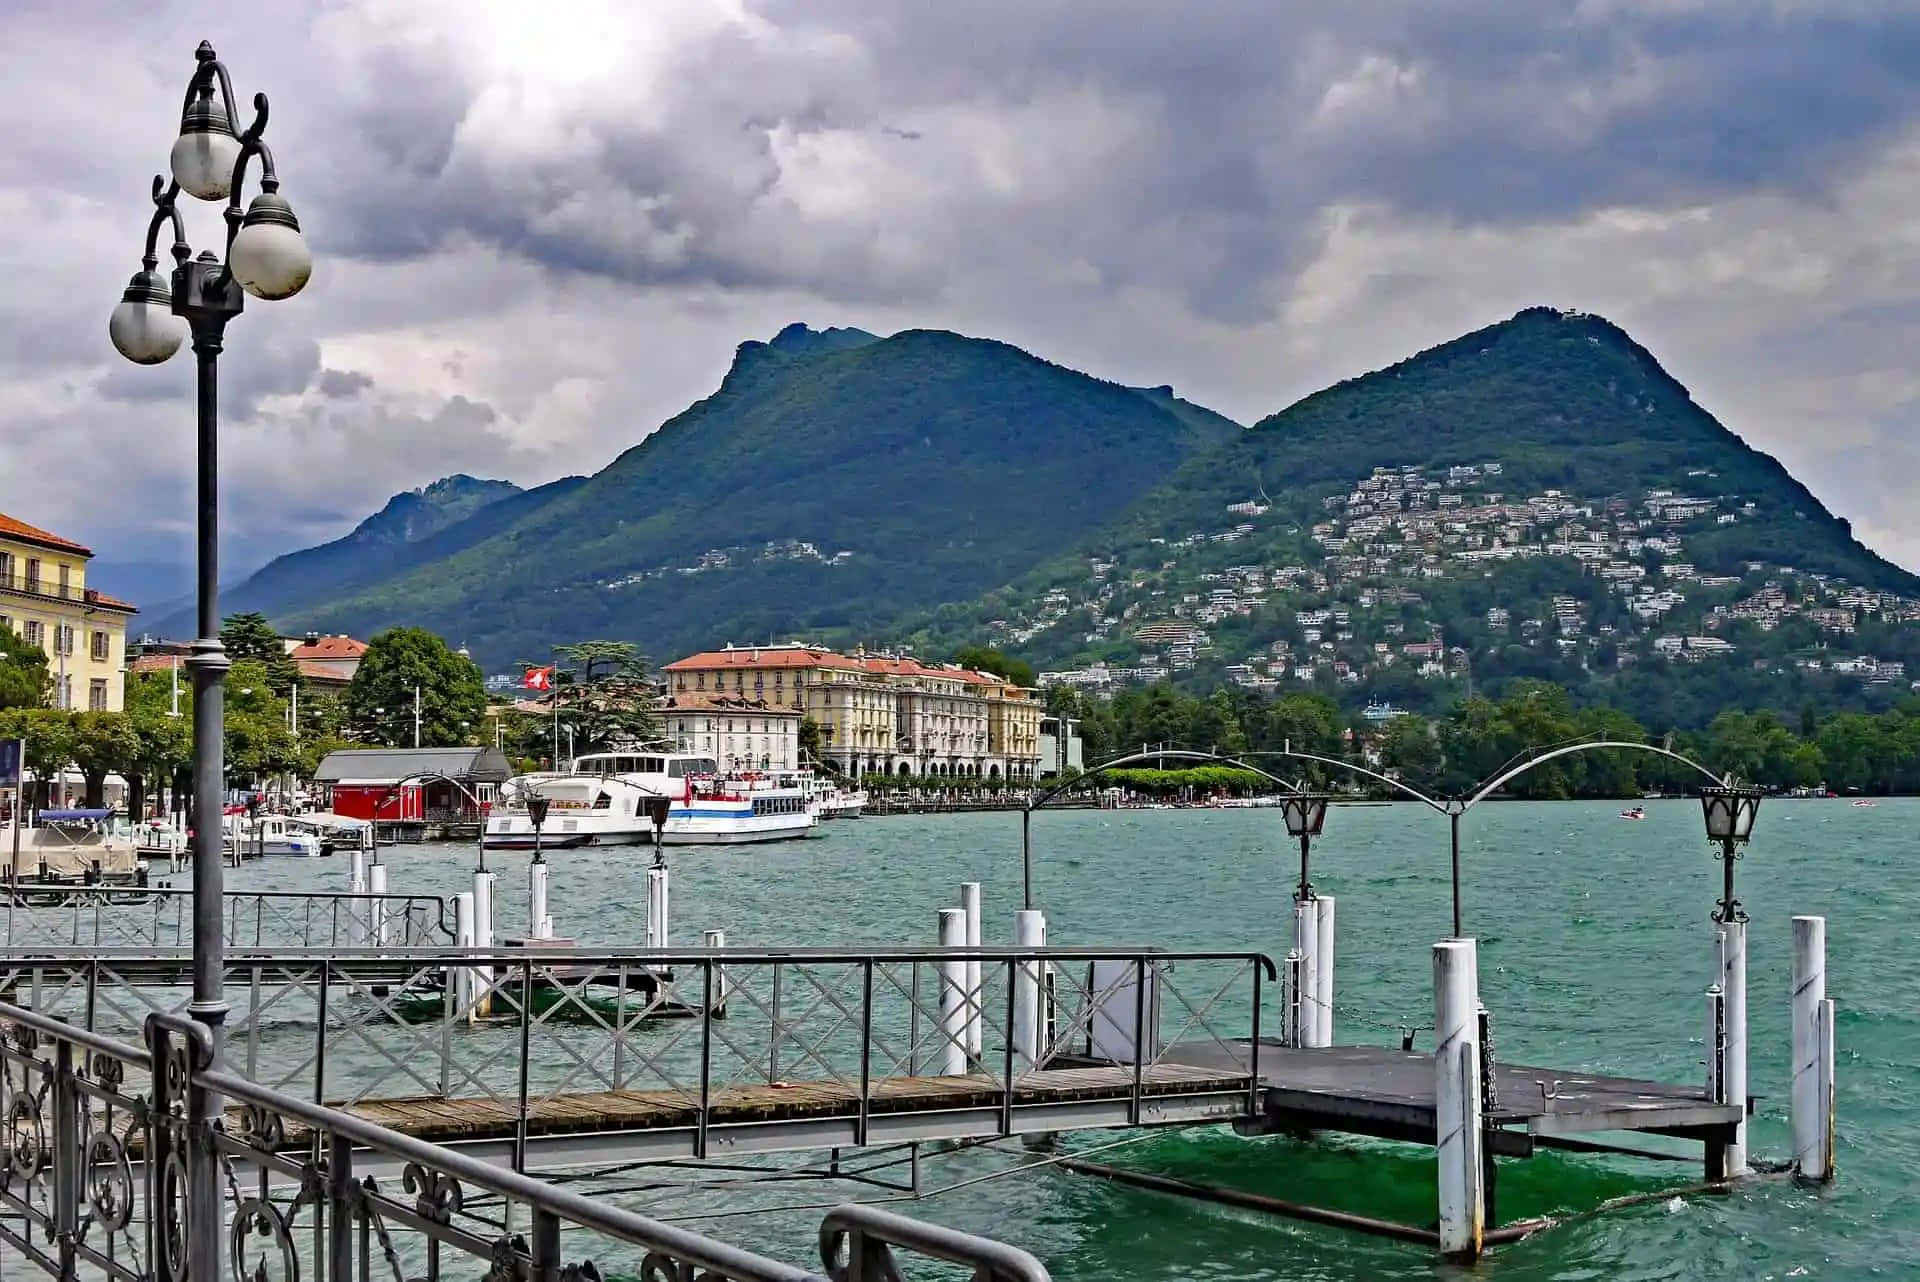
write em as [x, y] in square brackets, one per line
[1306, 925]
[539, 924]
[657, 894]
[1730, 945]
[483, 941]
[460, 978]
[970, 904]
[715, 941]
[1323, 971]
[1456, 1097]
[953, 982]
[377, 886]
[1812, 1053]
[1029, 931]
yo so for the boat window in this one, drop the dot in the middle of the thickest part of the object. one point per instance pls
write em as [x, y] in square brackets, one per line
[649, 765]
[603, 802]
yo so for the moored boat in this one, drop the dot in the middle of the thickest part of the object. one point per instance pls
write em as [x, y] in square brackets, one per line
[604, 801]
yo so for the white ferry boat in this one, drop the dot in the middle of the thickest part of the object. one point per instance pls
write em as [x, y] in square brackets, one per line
[603, 800]
[842, 803]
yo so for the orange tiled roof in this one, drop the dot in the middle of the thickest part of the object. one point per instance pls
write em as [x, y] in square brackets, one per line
[16, 529]
[101, 599]
[761, 657]
[156, 663]
[315, 671]
[330, 648]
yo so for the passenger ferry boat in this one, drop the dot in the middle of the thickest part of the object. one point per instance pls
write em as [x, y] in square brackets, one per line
[602, 801]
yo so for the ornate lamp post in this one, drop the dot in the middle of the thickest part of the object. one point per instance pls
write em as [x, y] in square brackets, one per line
[1729, 811]
[1306, 814]
[267, 257]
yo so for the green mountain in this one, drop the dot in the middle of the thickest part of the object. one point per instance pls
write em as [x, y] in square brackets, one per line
[400, 534]
[1539, 497]
[835, 483]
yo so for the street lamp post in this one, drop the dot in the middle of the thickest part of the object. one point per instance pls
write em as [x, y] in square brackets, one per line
[266, 257]
[1729, 811]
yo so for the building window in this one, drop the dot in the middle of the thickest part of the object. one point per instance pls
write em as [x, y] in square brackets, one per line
[33, 632]
[33, 574]
[66, 580]
[97, 694]
[6, 568]
[63, 639]
[6, 621]
[99, 647]
[699, 681]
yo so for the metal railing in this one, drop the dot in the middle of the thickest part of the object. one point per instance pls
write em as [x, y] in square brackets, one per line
[145, 1162]
[656, 1055]
[119, 917]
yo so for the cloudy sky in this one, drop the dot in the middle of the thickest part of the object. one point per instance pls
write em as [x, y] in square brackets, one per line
[540, 229]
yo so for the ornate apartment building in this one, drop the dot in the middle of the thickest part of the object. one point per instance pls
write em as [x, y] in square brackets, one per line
[882, 713]
[44, 598]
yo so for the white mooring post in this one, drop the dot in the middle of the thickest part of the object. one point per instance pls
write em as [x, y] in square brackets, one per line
[377, 885]
[953, 982]
[539, 925]
[1812, 1052]
[1029, 931]
[1456, 1098]
[357, 931]
[716, 940]
[657, 893]
[1323, 972]
[970, 905]
[1306, 925]
[1730, 946]
[460, 978]
[482, 940]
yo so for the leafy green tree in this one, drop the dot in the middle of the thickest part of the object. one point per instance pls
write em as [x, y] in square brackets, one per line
[165, 740]
[250, 636]
[399, 661]
[258, 741]
[810, 745]
[23, 672]
[608, 699]
[1411, 745]
[104, 743]
[49, 735]
[983, 659]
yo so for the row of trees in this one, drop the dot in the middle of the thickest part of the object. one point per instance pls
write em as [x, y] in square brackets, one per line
[1475, 738]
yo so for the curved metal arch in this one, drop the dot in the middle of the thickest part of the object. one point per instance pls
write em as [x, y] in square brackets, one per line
[1390, 781]
[1591, 744]
[1158, 754]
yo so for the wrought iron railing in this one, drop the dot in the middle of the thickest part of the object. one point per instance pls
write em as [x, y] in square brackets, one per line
[121, 917]
[146, 1162]
[678, 1052]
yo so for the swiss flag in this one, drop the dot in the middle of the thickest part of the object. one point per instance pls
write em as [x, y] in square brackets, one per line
[538, 679]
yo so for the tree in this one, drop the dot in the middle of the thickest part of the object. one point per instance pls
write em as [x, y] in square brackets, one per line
[1411, 746]
[983, 659]
[399, 661]
[608, 699]
[250, 636]
[165, 741]
[23, 672]
[49, 736]
[258, 741]
[104, 743]
[810, 741]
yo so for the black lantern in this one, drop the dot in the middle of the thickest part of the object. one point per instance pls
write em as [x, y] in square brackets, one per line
[1729, 811]
[1305, 813]
[537, 810]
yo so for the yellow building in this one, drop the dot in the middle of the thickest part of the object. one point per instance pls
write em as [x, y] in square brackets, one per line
[45, 599]
[882, 713]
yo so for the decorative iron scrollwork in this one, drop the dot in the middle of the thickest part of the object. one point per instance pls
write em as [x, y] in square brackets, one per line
[108, 1071]
[262, 1128]
[508, 1262]
[178, 1071]
[658, 1266]
[585, 1271]
[27, 1153]
[173, 1215]
[109, 1181]
[437, 1195]
[25, 1038]
[260, 1219]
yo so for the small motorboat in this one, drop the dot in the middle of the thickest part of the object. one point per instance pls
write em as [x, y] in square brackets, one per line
[1863, 803]
[1634, 812]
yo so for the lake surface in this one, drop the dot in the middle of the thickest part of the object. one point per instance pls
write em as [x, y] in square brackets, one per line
[1595, 950]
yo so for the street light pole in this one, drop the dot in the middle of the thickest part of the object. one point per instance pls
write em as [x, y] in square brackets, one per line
[266, 257]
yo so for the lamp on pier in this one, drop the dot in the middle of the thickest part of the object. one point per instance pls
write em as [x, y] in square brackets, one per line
[537, 806]
[1305, 814]
[1729, 810]
[266, 256]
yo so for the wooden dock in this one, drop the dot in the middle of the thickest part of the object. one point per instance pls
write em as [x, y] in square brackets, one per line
[1387, 1092]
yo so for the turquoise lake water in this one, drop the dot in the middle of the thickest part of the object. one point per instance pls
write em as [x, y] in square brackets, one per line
[1595, 949]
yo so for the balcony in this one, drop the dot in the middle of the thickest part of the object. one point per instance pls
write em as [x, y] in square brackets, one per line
[47, 589]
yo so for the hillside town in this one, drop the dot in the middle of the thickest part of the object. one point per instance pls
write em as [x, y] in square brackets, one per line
[1357, 601]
